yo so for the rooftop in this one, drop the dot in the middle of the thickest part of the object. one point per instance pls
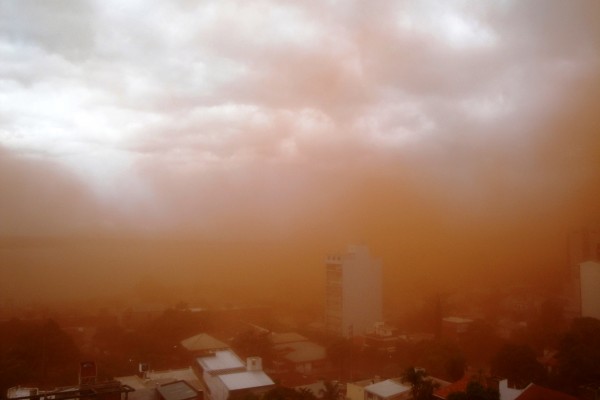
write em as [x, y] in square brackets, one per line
[179, 390]
[535, 392]
[220, 360]
[157, 378]
[288, 337]
[203, 342]
[246, 380]
[298, 352]
[387, 388]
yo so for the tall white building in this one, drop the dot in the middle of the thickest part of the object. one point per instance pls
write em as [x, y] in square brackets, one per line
[353, 292]
[584, 245]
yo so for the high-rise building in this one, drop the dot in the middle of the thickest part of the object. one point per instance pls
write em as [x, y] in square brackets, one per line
[353, 292]
[590, 289]
[584, 245]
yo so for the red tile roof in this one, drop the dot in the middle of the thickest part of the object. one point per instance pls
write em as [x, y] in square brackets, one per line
[458, 386]
[535, 392]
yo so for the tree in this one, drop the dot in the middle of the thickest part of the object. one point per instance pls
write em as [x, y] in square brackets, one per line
[480, 342]
[579, 354]
[39, 353]
[422, 387]
[331, 391]
[443, 358]
[518, 364]
[339, 353]
[253, 343]
[475, 391]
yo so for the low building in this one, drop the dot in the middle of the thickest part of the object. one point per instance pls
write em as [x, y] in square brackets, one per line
[383, 338]
[178, 390]
[224, 375]
[356, 390]
[390, 389]
[148, 382]
[88, 389]
[203, 343]
[294, 352]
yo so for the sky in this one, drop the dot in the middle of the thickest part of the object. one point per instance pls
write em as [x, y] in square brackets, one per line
[436, 132]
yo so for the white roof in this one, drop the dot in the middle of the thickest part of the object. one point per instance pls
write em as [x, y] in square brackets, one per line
[220, 360]
[246, 380]
[387, 388]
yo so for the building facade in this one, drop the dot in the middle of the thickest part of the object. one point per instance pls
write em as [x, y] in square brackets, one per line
[590, 289]
[353, 292]
[584, 245]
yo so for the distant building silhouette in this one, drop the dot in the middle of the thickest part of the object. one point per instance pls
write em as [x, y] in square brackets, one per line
[590, 289]
[353, 292]
[584, 245]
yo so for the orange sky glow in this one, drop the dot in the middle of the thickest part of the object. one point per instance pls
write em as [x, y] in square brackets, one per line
[452, 137]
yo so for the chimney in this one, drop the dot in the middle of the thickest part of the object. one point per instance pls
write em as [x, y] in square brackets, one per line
[254, 364]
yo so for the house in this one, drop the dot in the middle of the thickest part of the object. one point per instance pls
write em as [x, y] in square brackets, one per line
[383, 338]
[202, 343]
[377, 389]
[224, 375]
[294, 352]
[389, 389]
[88, 388]
[178, 390]
[356, 390]
[148, 382]
[505, 391]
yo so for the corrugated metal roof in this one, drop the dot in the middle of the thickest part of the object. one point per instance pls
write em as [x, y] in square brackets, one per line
[179, 390]
[220, 360]
[246, 380]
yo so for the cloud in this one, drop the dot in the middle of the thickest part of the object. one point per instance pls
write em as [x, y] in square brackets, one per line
[182, 116]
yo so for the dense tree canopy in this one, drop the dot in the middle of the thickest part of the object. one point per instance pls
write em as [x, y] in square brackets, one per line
[422, 386]
[579, 354]
[518, 363]
[36, 353]
[475, 391]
